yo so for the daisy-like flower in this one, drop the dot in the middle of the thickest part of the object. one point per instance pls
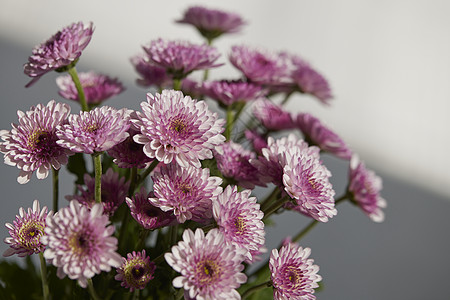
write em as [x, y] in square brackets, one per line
[293, 274]
[26, 231]
[32, 145]
[187, 192]
[365, 187]
[146, 214]
[79, 242]
[212, 23]
[179, 58]
[114, 191]
[93, 131]
[272, 116]
[228, 92]
[177, 128]
[97, 87]
[136, 271]
[210, 268]
[320, 135]
[151, 75]
[61, 50]
[240, 220]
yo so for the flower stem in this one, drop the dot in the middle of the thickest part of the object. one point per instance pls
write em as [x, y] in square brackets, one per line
[286, 98]
[92, 290]
[55, 176]
[73, 73]
[45, 288]
[256, 288]
[273, 208]
[126, 215]
[177, 84]
[269, 199]
[147, 171]
[97, 157]
[230, 122]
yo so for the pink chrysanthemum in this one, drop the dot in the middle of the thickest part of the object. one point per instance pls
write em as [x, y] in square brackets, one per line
[233, 161]
[32, 145]
[146, 214]
[272, 116]
[212, 23]
[177, 128]
[318, 134]
[80, 243]
[114, 191]
[26, 231]
[97, 87]
[97, 130]
[151, 75]
[240, 220]
[136, 271]
[365, 187]
[179, 58]
[293, 274]
[210, 268]
[229, 92]
[61, 50]
[192, 88]
[187, 192]
[258, 141]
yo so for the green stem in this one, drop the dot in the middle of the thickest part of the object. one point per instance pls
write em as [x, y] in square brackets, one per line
[97, 157]
[136, 294]
[286, 98]
[126, 215]
[73, 73]
[206, 75]
[270, 198]
[92, 290]
[177, 84]
[55, 176]
[173, 234]
[147, 171]
[274, 207]
[230, 123]
[45, 289]
[256, 288]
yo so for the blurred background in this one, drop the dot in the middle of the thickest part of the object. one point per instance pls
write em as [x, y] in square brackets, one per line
[388, 64]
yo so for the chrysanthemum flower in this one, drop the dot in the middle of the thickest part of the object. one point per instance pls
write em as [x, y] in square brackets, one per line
[136, 271]
[293, 274]
[32, 145]
[151, 75]
[145, 213]
[212, 23]
[210, 268]
[240, 220]
[97, 130]
[177, 128]
[114, 191]
[258, 141]
[179, 58]
[318, 134]
[61, 50]
[97, 87]
[80, 243]
[187, 192]
[26, 231]
[229, 92]
[272, 116]
[365, 187]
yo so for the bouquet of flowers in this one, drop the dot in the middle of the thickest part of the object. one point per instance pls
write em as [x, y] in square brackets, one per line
[169, 209]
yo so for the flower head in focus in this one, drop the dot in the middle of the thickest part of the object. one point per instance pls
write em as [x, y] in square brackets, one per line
[26, 231]
[62, 50]
[228, 92]
[210, 268]
[32, 145]
[79, 242]
[136, 271]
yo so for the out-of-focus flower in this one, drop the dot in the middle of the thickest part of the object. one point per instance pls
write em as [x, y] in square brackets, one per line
[26, 231]
[32, 145]
[272, 116]
[210, 268]
[177, 128]
[136, 271]
[151, 75]
[257, 140]
[61, 50]
[79, 242]
[293, 274]
[365, 187]
[228, 92]
[97, 87]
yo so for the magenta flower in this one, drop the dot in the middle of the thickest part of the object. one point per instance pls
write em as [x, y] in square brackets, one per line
[179, 58]
[80, 242]
[177, 128]
[272, 116]
[146, 214]
[293, 274]
[187, 192]
[210, 268]
[114, 191]
[97, 87]
[212, 23]
[97, 130]
[257, 140]
[136, 271]
[240, 220]
[365, 187]
[318, 134]
[229, 92]
[61, 50]
[32, 145]
[151, 74]
[26, 231]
